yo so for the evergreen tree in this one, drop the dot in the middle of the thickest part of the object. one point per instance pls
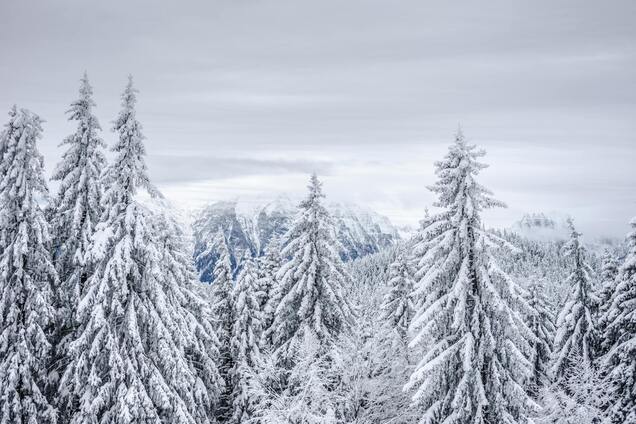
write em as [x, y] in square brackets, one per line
[141, 353]
[620, 336]
[477, 344]
[27, 276]
[268, 287]
[576, 322]
[541, 322]
[223, 312]
[245, 339]
[397, 308]
[76, 209]
[7, 134]
[609, 271]
[608, 281]
[312, 281]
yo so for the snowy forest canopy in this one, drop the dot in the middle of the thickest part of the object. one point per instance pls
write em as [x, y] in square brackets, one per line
[110, 314]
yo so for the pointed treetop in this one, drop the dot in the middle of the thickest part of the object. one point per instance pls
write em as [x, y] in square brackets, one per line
[129, 97]
[573, 232]
[459, 135]
[81, 108]
[315, 191]
[129, 170]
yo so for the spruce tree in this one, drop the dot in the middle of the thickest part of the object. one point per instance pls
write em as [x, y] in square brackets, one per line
[541, 322]
[27, 276]
[141, 353]
[397, 307]
[76, 209]
[222, 311]
[245, 339]
[620, 336]
[7, 133]
[609, 271]
[312, 280]
[576, 332]
[268, 287]
[608, 281]
[477, 344]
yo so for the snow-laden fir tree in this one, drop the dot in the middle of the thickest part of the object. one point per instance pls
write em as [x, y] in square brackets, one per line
[76, 209]
[608, 273]
[607, 286]
[222, 311]
[245, 339]
[141, 353]
[268, 288]
[541, 322]
[620, 337]
[312, 281]
[27, 276]
[576, 323]
[477, 344]
[6, 134]
[397, 307]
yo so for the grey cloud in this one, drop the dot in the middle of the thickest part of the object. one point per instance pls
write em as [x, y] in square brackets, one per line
[178, 168]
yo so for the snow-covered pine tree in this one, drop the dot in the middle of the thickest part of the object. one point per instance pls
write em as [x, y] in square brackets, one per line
[76, 210]
[222, 311]
[27, 276]
[607, 285]
[397, 307]
[312, 280]
[620, 336]
[476, 361]
[7, 133]
[141, 353]
[541, 322]
[245, 339]
[609, 271]
[576, 324]
[268, 266]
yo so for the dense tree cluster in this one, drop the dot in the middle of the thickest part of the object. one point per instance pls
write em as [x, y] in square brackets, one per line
[103, 319]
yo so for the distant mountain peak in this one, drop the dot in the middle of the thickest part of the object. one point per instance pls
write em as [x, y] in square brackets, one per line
[249, 225]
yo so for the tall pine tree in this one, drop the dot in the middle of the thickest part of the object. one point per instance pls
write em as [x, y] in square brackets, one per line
[222, 311]
[541, 322]
[141, 353]
[576, 324]
[397, 307]
[245, 339]
[268, 287]
[311, 282]
[608, 281]
[620, 337]
[7, 133]
[76, 209]
[27, 276]
[477, 343]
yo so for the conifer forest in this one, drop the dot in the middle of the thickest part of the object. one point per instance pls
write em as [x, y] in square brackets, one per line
[122, 303]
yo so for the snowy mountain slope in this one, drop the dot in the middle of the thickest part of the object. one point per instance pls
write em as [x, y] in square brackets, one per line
[250, 226]
[542, 227]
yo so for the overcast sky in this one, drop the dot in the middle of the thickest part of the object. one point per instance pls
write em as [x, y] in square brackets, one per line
[243, 98]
